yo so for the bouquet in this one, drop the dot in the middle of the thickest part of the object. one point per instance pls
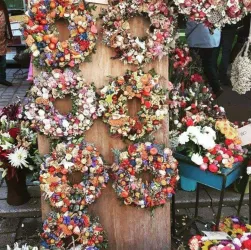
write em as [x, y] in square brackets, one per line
[211, 144]
[17, 142]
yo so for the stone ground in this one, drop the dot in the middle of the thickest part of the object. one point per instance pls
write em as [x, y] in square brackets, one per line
[22, 224]
[19, 88]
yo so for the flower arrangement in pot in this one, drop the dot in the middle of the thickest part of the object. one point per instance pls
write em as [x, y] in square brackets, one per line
[17, 151]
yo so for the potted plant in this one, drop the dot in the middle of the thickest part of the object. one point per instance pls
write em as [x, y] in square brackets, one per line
[17, 148]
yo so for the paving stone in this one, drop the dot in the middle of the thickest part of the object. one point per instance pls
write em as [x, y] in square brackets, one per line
[186, 199]
[7, 239]
[29, 228]
[34, 192]
[244, 211]
[231, 197]
[31, 209]
[9, 225]
[226, 211]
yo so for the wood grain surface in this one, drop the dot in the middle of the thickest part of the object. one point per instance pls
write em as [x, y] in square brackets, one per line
[127, 227]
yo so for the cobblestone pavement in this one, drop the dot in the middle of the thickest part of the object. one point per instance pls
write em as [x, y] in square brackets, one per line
[20, 86]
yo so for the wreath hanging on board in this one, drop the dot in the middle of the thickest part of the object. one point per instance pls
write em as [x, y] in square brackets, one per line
[134, 50]
[57, 85]
[134, 84]
[42, 35]
[72, 231]
[68, 158]
[145, 157]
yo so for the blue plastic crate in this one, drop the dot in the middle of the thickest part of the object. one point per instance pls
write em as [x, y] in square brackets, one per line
[191, 171]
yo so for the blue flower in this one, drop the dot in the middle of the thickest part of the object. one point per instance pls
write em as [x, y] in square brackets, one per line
[83, 36]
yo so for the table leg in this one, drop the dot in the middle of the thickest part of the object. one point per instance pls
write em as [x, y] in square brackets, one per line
[245, 179]
[197, 200]
[221, 202]
[173, 215]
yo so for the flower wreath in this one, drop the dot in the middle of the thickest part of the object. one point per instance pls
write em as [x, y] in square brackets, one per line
[69, 158]
[42, 36]
[72, 228]
[133, 50]
[215, 13]
[113, 104]
[58, 84]
[145, 157]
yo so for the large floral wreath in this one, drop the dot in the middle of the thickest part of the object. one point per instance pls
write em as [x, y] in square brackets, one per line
[113, 104]
[58, 84]
[42, 36]
[215, 13]
[134, 50]
[70, 230]
[68, 158]
[137, 159]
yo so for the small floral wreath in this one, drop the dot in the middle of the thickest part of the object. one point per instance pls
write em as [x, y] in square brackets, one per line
[42, 36]
[145, 157]
[113, 104]
[133, 50]
[62, 231]
[58, 84]
[69, 158]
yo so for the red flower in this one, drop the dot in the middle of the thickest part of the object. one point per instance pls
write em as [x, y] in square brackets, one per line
[240, 158]
[228, 142]
[189, 122]
[205, 160]
[132, 149]
[218, 158]
[213, 168]
[246, 244]
[148, 104]
[14, 132]
[196, 78]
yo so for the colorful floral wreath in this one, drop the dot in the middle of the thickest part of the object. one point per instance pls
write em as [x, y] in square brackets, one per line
[145, 157]
[42, 36]
[62, 231]
[113, 104]
[134, 50]
[215, 13]
[58, 84]
[69, 158]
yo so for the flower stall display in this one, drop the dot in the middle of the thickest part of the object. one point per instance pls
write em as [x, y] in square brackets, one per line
[81, 159]
[71, 230]
[214, 13]
[211, 149]
[235, 227]
[59, 84]
[161, 34]
[42, 35]
[145, 157]
[17, 143]
[113, 104]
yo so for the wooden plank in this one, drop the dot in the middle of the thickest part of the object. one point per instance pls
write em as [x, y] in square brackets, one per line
[127, 227]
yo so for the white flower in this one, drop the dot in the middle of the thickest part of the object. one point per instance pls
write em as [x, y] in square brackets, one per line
[237, 242]
[249, 170]
[183, 138]
[65, 123]
[210, 131]
[36, 53]
[18, 158]
[197, 159]
[142, 45]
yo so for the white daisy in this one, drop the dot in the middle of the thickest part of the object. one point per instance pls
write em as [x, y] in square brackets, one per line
[18, 158]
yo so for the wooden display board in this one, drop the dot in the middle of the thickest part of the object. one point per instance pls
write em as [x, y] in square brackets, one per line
[127, 227]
